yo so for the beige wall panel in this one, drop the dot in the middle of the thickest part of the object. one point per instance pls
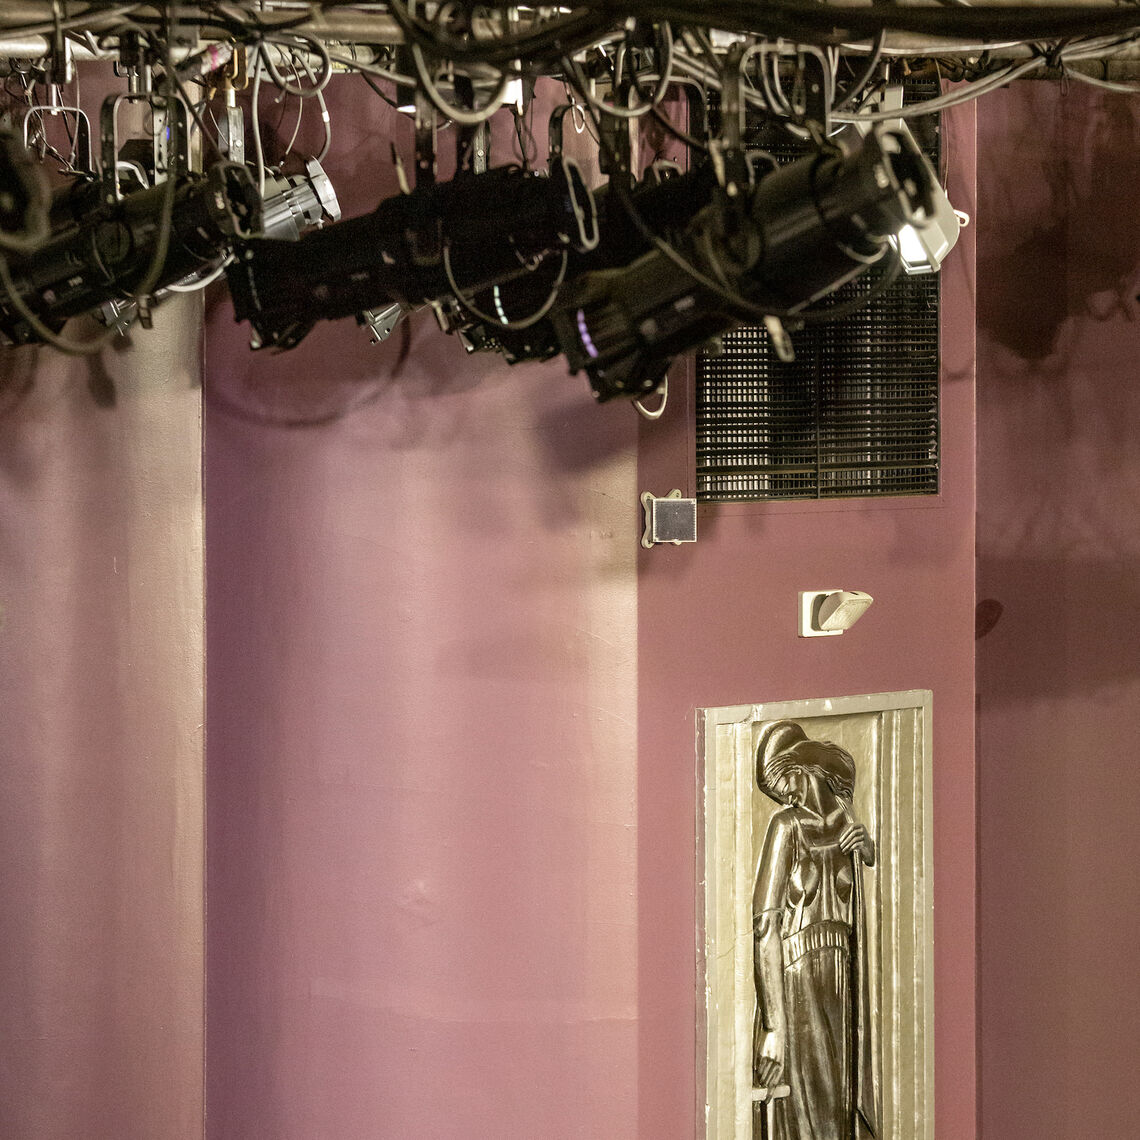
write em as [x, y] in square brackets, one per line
[101, 739]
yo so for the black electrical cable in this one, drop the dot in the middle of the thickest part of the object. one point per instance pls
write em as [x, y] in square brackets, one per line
[864, 75]
[832, 24]
[458, 115]
[78, 20]
[661, 83]
[525, 136]
[680, 135]
[297, 42]
[547, 42]
[836, 312]
[738, 305]
[829, 23]
[377, 89]
[691, 141]
[503, 322]
[298, 119]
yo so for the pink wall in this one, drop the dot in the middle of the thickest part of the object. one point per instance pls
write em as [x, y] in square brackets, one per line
[101, 744]
[422, 718]
[451, 770]
[451, 891]
[1058, 543]
[717, 626]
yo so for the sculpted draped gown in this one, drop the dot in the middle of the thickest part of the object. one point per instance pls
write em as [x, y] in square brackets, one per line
[827, 1064]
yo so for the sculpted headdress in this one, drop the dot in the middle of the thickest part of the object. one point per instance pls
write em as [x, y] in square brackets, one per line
[783, 745]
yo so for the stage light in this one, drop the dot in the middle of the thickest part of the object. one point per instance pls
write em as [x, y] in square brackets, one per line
[694, 264]
[911, 248]
[801, 231]
[923, 246]
[292, 204]
[108, 252]
[924, 243]
[471, 233]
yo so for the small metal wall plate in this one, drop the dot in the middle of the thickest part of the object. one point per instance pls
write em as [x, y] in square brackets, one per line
[669, 519]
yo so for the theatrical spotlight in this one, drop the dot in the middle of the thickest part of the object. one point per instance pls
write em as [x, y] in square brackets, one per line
[467, 234]
[292, 205]
[797, 234]
[109, 252]
[923, 247]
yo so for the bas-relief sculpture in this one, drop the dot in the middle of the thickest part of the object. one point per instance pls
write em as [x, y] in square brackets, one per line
[817, 952]
[813, 1054]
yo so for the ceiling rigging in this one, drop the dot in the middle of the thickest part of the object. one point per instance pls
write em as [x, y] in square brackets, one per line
[172, 189]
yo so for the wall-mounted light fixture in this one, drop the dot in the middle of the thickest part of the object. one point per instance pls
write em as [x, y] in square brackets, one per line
[826, 613]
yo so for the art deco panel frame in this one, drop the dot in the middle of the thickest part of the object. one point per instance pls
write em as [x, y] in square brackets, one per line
[888, 734]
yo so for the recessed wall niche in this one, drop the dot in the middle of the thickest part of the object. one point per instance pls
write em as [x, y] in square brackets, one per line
[816, 948]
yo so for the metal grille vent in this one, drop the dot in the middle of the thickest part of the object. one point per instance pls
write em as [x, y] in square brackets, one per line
[855, 415]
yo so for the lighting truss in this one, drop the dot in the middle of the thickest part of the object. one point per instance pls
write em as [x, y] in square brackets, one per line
[529, 261]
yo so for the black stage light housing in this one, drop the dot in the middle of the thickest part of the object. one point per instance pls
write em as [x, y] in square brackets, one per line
[799, 233]
[470, 233]
[107, 253]
[665, 202]
[291, 204]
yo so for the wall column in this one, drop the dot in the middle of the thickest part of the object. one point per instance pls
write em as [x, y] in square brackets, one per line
[101, 698]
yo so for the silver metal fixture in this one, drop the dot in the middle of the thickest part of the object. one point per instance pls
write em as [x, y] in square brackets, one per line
[670, 518]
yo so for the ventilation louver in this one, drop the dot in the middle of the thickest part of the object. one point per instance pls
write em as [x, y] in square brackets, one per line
[855, 415]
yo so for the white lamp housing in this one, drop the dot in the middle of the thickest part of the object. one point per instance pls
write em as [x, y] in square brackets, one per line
[828, 613]
[923, 246]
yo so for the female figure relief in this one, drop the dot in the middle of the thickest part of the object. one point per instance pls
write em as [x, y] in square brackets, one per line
[812, 1025]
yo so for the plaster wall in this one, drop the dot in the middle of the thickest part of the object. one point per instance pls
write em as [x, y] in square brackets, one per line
[1059, 672]
[422, 716]
[101, 741]
[452, 776]
[717, 626]
[452, 769]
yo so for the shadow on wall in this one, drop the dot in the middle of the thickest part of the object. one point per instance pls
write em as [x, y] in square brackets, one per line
[1063, 241]
[335, 370]
[1065, 644]
[19, 366]
[17, 377]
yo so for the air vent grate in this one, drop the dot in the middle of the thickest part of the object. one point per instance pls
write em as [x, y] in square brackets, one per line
[855, 415]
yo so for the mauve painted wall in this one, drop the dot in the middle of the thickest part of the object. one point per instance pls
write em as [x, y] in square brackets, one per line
[451, 894]
[422, 733]
[1059, 674]
[717, 626]
[101, 743]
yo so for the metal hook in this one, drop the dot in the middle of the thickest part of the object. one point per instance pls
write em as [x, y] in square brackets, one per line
[82, 145]
[170, 133]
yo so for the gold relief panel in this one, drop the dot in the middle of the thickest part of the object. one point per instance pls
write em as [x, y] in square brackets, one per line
[816, 953]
